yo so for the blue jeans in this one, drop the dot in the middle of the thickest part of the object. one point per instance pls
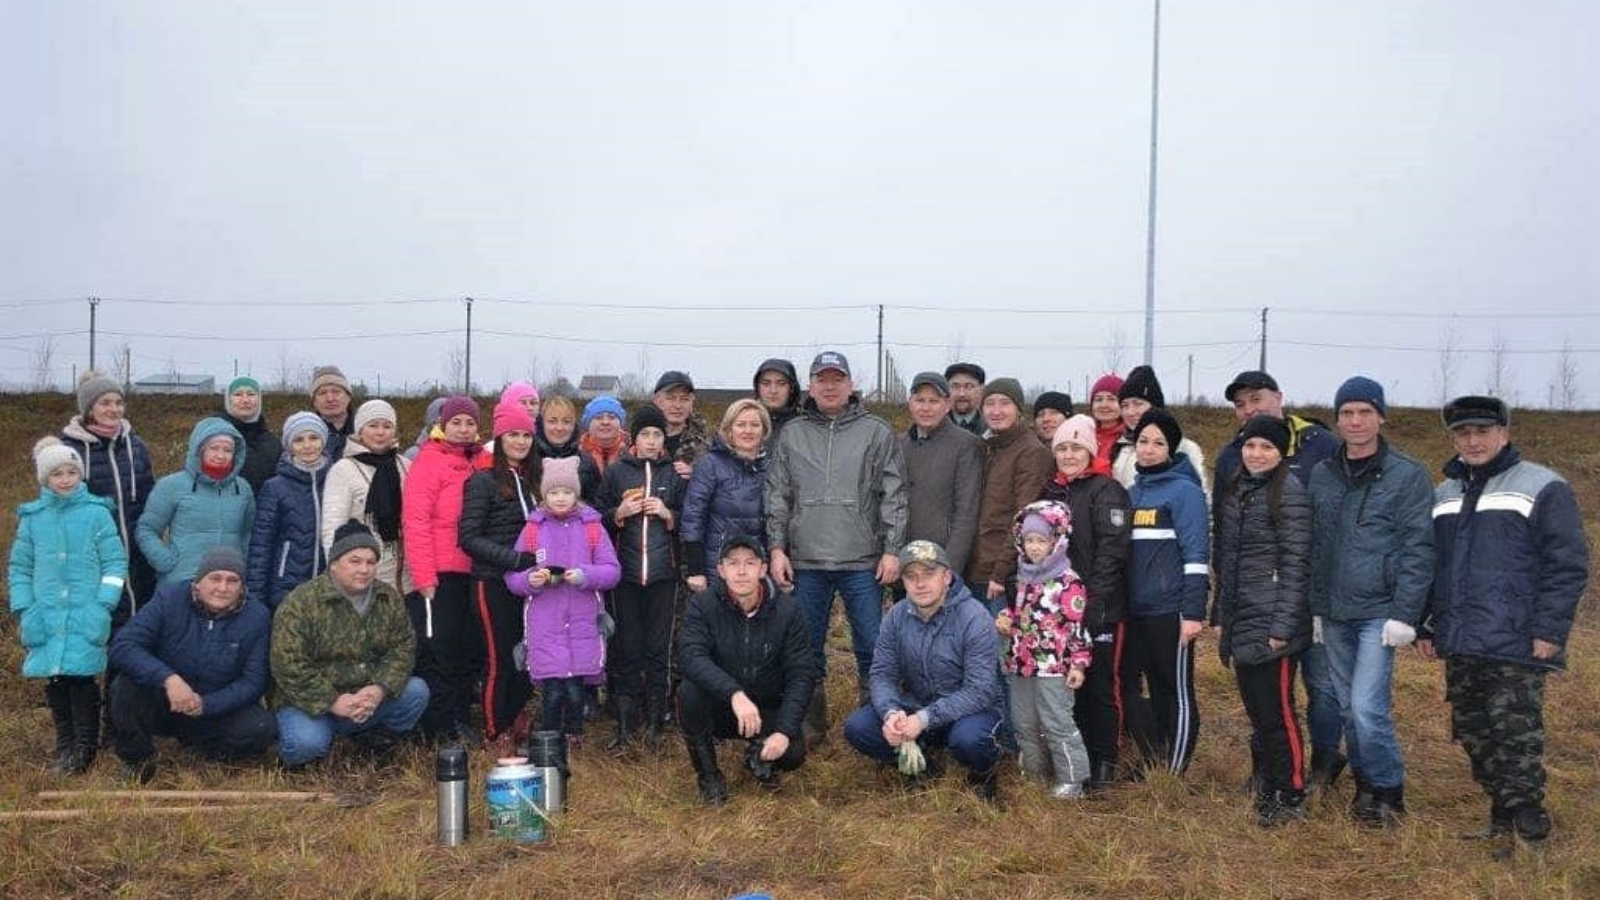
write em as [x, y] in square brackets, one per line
[562, 708]
[303, 738]
[863, 606]
[1361, 669]
[1323, 718]
[971, 739]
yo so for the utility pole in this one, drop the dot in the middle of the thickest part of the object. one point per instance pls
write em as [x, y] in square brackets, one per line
[94, 303]
[880, 353]
[1150, 214]
[1263, 366]
[467, 387]
[1189, 401]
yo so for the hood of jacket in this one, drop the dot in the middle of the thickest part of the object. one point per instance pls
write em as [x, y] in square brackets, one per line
[205, 430]
[76, 430]
[287, 469]
[787, 370]
[1053, 566]
[1181, 468]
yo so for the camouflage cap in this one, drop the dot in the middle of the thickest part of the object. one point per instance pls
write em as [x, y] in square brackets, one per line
[923, 553]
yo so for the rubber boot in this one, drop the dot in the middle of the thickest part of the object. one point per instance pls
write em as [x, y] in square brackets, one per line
[59, 695]
[703, 756]
[1326, 766]
[1366, 797]
[623, 736]
[1103, 774]
[815, 727]
[1388, 807]
[85, 724]
[985, 785]
[653, 721]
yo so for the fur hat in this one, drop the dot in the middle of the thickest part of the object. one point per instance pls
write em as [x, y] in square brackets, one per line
[1143, 384]
[1109, 383]
[299, 422]
[1476, 410]
[1166, 422]
[511, 415]
[1077, 430]
[560, 473]
[220, 559]
[49, 454]
[1270, 428]
[373, 411]
[352, 535]
[91, 387]
[1361, 389]
[1009, 388]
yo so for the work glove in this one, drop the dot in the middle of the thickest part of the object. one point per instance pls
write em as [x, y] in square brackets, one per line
[912, 762]
[1397, 633]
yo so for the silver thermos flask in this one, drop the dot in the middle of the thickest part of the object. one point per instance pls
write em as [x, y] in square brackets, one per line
[547, 752]
[450, 777]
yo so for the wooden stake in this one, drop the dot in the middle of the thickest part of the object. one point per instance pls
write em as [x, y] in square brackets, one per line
[224, 796]
[64, 815]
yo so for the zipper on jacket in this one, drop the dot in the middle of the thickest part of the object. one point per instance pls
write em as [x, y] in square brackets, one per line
[644, 531]
[283, 559]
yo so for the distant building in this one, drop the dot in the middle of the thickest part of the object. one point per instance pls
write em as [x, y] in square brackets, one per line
[176, 383]
[593, 386]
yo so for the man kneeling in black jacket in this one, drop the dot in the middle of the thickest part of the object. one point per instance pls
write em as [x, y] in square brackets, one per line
[748, 672]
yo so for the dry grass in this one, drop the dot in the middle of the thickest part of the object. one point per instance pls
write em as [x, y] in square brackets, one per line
[840, 828]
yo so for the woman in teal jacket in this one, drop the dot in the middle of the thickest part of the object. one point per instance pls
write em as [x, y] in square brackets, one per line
[204, 506]
[67, 571]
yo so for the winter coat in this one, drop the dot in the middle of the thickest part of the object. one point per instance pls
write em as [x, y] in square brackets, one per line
[1125, 465]
[1102, 543]
[1310, 442]
[119, 469]
[944, 484]
[692, 443]
[66, 575]
[490, 523]
[265, 449]
[835, 494]
[1015, 474]
[223, 657]
[724, 500]
[974, 426]
[947, 666]
[645, 546]
[321, 647]
[767, 655]
[431, 512]
[1263, 565]
[588, 472]
[1371, 539]
[339, 436]
[286, 541]
[190, 512]
[344, 497]
[1047, 634]
[1168, 572]
[561, 621]
[1512, 560]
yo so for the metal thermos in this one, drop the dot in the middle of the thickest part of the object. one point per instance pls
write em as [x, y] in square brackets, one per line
[450, 777]
[547, 752]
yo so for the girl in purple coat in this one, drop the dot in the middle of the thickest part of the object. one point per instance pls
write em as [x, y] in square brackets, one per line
[574, 562]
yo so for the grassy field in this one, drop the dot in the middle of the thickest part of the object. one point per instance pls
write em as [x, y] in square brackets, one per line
[840, 828]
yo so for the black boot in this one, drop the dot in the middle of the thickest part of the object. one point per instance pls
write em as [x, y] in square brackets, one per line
[1102, 775]
[815, 727]
[1531, 823]
[985, 785]
[1366, 796]
[761, 770]
[1326, 766]
[58, 694]
[1388, 807]
[1276, 808]
[1499, 826]
[654, 719]
[703, 756]
[623, 736]
[85, 724]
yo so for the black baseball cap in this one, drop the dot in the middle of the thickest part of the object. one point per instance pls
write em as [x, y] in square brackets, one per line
[1251, 380]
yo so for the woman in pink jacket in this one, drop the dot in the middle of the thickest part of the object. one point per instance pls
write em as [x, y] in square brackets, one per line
[573, 562]
[449, 642]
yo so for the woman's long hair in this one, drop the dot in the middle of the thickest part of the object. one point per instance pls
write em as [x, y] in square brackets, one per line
[532, 471]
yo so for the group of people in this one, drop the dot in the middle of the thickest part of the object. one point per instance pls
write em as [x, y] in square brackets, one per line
[1050, 573]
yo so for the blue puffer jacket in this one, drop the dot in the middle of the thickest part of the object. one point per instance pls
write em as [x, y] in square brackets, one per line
[1512, 560]
[190, 512]
[1170, 568]
[223, 657]
[724, 501]
[285, 543]
[948, 665]
[1371, 539]
[67, 571]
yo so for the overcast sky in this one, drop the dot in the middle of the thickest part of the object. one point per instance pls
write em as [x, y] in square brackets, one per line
[1365, 168]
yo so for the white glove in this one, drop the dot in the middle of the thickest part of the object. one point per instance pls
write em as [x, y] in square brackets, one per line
[912, 762]
[1397, 633]
[1316, 629]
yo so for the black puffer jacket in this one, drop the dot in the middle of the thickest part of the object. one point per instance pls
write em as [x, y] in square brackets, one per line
[767, 655]
[1102, 543]
[588, 472]
[490, 523]
[262, 447]
[645, 546]
[1263, 566]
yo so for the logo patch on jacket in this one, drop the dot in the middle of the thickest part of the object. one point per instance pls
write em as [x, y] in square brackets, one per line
[1117, 516]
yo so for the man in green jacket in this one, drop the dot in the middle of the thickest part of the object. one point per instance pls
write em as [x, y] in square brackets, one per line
[342, 654]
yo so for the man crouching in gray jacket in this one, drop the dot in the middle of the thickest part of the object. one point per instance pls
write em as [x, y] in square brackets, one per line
[836, 516]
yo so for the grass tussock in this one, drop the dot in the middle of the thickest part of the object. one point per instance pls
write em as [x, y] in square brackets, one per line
[841, 828]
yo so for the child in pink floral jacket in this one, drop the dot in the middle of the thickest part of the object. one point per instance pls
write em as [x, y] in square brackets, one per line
[1048, 649]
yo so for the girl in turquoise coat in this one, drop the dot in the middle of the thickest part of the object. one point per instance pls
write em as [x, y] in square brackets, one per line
[204, 506]
[67, 571]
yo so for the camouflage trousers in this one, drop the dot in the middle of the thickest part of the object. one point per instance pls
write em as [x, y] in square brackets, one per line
[1497, 713]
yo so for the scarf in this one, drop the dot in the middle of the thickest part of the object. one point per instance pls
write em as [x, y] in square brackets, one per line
[107, 432]
[383, 497]
[217, 473]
